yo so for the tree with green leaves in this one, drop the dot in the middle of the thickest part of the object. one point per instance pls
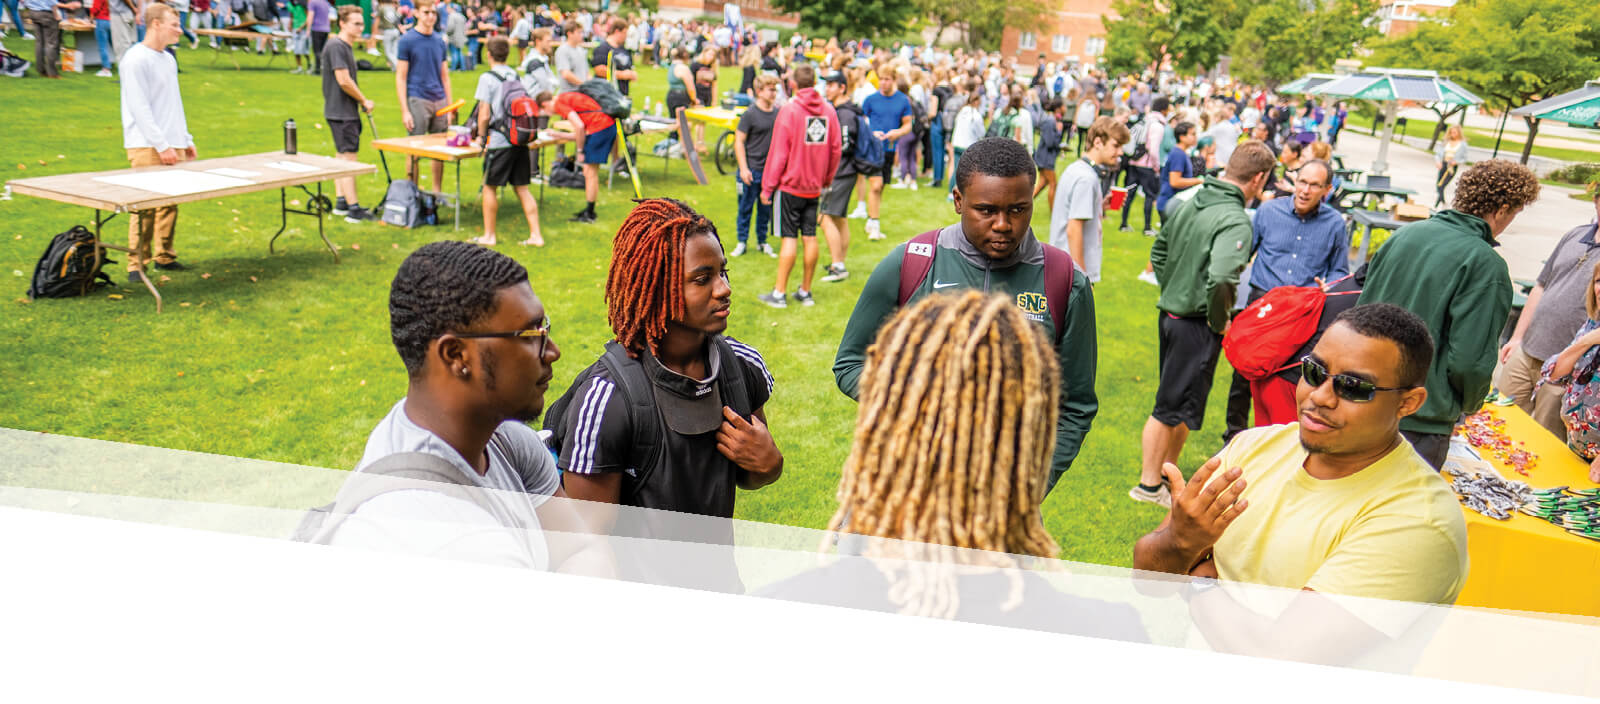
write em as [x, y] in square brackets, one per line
[1137, 36]
[1510, 52]
[984, 22]
[848, 19]
[1280, 40]
[1192, 33]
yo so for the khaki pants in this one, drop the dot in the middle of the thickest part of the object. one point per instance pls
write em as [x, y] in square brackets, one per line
[1517, 377]
[147, 225]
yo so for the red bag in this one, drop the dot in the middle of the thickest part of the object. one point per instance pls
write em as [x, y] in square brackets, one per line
[1268, 332]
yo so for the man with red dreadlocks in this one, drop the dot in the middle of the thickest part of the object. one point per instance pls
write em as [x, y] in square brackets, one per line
[670, 417]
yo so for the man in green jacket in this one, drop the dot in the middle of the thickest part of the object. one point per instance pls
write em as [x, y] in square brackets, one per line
[1445, 270]
[992, 249]
[1203, 245]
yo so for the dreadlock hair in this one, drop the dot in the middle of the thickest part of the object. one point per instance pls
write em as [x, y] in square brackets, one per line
[953, 439]
[444, 287]
[644, 289]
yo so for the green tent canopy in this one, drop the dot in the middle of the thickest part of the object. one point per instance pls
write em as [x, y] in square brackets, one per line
[1391, 86]
[1580, 107]
[1305, 83]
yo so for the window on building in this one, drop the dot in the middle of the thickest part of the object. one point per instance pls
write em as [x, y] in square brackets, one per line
[1061, 43]
[1095, 46]
[1026, 41]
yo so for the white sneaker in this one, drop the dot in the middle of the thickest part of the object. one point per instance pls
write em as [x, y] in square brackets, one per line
[898, 185]
[913, 184]
[1160, 497]
[860, 213]
[769, 251]
[738, 250]
[28, 36]
[103, 73]
[1149, 277]
[874, 232]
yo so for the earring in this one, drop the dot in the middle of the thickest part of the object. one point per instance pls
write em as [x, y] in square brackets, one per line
[462, 371]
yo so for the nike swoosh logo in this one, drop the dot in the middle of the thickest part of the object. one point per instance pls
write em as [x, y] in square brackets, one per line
[941, 284]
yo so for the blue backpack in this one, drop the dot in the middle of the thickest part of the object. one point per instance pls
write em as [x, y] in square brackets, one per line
[869, 149]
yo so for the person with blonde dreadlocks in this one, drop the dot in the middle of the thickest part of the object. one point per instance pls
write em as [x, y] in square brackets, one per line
[953, 447]
[671, 416]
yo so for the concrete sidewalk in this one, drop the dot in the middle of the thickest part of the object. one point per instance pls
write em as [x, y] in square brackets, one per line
[1529, 239]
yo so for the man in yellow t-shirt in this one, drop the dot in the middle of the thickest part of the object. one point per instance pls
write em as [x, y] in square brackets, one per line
[1338, 503]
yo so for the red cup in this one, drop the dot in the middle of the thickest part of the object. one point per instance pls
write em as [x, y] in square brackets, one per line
[1118, 197]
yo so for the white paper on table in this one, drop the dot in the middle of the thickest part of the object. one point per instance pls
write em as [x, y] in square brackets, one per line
[236, 173]
[174, 182]
[292, 166]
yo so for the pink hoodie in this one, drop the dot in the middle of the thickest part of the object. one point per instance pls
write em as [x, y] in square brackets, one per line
[805, 147]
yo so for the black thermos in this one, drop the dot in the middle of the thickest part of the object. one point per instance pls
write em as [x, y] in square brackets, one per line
[290, 138]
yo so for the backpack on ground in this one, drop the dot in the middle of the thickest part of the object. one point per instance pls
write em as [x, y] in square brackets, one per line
[1139, 139]
[1003, 125]
[13, 66]
[1058, 274]
[564, 174]
[1267, 333]
[870, 151]
[67, 268]
[405, 205]
[612, 101]
[644, 418]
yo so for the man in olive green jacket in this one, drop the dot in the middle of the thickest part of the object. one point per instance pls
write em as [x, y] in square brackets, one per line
[1445, 270]
[1203, 246]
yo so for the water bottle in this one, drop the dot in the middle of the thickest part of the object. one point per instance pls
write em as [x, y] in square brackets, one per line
[290, 137]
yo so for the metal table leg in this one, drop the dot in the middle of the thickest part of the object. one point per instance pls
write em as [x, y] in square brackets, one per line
[458, 194]
[313, 209]
[100, 244]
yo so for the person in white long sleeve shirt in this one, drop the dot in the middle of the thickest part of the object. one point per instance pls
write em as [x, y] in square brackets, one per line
[154, 131]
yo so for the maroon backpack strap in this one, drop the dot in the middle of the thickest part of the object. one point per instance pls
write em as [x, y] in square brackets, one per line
[1058, 273]
[916, 262]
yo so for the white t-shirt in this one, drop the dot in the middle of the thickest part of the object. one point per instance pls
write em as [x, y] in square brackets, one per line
[523, 30]
[1023, 123]
[432, 524]
[863, 91]
[969, 127]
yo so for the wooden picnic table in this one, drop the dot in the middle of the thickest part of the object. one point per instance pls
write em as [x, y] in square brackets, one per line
[83, 40]
[233, 38]
[190, 181]
[1369, 219]
[433, 146]
[1363, 192]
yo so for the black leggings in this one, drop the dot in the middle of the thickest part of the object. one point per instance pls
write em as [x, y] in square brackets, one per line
[318, 39]
[1143, 179]
[1447, 173]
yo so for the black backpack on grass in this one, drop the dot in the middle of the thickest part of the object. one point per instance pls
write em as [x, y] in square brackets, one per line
[67, 268]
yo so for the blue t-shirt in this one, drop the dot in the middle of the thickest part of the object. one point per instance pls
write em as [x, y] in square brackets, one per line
[1177, 160]
[425, 52]
[884, 113]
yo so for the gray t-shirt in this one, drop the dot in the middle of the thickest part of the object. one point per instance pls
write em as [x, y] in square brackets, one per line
[336, 104]
[488, 95]
[1078, 198]
[1565, 278]
[571, 58]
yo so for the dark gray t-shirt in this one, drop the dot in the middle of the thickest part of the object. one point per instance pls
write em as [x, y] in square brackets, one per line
[336, 104]
[1565, 278]
[757, 128]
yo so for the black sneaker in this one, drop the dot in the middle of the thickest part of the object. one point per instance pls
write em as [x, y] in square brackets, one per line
[1124, 228]
[173, 265]
[340, 207]
[357, 215]
[582, 217]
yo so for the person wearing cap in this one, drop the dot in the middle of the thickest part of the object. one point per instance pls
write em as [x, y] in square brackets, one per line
[705, 393]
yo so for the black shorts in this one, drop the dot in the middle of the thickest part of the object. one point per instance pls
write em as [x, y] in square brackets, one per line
[346, 135]
[836, 202]
[1188, 352]
[797, 217]
[887, 171]
[507, 166]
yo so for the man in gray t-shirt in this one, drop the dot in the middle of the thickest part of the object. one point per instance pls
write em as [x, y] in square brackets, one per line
[1080, 201]
[1554, 312]
[572, 66]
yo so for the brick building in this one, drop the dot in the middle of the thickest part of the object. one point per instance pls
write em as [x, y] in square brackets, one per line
[1399, 17]
[751, 10]
[1074, 33]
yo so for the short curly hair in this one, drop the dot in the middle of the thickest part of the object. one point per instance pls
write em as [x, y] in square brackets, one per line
[444, 287]
[1491, 185]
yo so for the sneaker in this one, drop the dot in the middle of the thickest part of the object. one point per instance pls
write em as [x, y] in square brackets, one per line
[836, 272]
[582, 217]
[804, 298]
[536, 180]
[860, 213]
[1124, 228]
[296, 71]
[340, 207]
[898, 185]
[774, 299]
[874, 231]
[173, 265]
[1149, 277]
[103, 73]
[768, 250]
[27, 36]
[1149, 232]
[738, 250]
[913, 183]
[1160, 497]
[936, 184]
[357, 215]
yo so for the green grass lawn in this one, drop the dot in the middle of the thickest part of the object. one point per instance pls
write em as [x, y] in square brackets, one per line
[288, 358]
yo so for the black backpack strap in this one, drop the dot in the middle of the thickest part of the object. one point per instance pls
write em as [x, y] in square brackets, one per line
[735, 391]
[400, 472]
[643, 418]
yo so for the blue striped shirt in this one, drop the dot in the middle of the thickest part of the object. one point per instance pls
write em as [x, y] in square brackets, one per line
[1293, 251]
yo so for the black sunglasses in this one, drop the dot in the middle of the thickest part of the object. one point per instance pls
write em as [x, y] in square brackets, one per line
[542, 332]
[1347, 387]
